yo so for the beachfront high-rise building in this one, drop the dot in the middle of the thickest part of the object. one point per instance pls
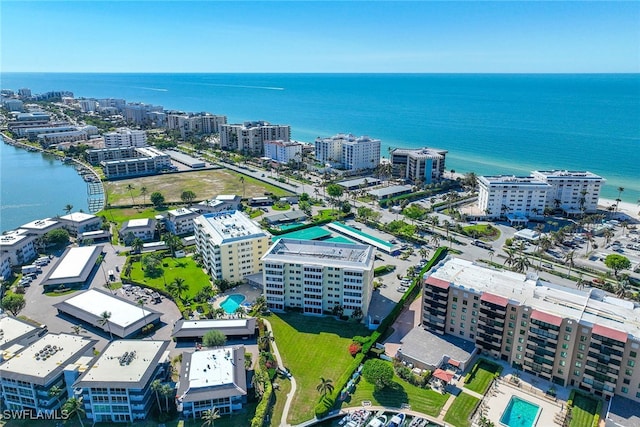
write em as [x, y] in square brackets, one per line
[88, 105]
[573, 338]
[249, 137]
[138, 113]
[125, 137]
[283, 151]
[230, 243]
[195, 124]
[422, 165]
[315, 276]
[574, 192]
[117, 387]
[515, 197]
[346, 151]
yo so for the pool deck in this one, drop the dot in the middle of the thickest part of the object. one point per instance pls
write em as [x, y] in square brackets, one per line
[250, 294]
[498, 397]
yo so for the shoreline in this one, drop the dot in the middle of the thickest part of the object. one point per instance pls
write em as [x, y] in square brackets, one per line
[626, 208]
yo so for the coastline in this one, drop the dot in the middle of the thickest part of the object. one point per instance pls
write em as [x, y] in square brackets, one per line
[625, 208]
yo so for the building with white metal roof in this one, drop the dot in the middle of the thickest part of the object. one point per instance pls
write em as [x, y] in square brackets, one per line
[79, 222]
[40, 227]
[74, 267]
[126, 318]
[195, 329]
[212, 378]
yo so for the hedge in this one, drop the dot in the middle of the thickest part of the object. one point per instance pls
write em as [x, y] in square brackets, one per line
[327, 402]
[263, 407]
[383, 269]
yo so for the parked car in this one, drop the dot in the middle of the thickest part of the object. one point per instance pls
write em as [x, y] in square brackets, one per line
[401, 289]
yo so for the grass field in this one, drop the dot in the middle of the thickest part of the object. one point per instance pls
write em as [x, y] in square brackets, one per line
[284, 387]
[185, 268]
[459, 412]
[584, 409]
[482, 231]
[480, 379]
[206, 184]
[312, 347]
[426, 401]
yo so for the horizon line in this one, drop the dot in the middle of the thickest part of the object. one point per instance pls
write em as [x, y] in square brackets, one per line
[330, 72]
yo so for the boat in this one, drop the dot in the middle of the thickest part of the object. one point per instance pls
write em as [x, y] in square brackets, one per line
[378, 421]
[396, 420]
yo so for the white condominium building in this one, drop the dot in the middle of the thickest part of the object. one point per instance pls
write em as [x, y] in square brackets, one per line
[317, 276]
[180, 221]
[348, 151]
[231, 244]
[249, 137]
[195, 124]
[572, 191]
[424, 165]
[360, 153]
[283, 151]
[117, 387]
[17, 247]
[125, 137]
[515, 197]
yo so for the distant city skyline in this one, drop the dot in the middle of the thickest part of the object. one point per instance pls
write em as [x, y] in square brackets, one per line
[300, 36]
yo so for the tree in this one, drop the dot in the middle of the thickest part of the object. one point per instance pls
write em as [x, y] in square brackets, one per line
[623, 286]
[378, 372]
[242, 182]
[568, 259]
[209, 416]
[166, 390]
[188, 196]
[179, 286]
[78, 329]
[173, 242]
[143, 192]
[325, 387]
[157, 199]
[57, 238]
[334, 191]
[130, 190]
[68, 208]
[141, 305]
[73, 406]
[104, 321]
[56, 392]
[156, 387]
[214, 338]
[152, 265]
[617, 262]
[13, 303]
[136, 245]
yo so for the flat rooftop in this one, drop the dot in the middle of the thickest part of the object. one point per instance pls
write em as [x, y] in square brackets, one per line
[14, 237]
[13, 329]
[513, 180]
[359, 181]
[419, 152]
[230, 226]
[558, 174]
[94, 302]
[42, 360]
[229, 327]
[139, 222]
[226, 197]
[390, 191]
[311, 233]
[211, 368]
[589, 307]
[124, 362]
[74, 264]
[367, 238]
[430, 348]
[310, 252]
[78, 217]
[181, 212]
[39, 224]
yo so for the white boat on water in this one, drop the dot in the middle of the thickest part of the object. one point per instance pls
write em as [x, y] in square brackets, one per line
[396, 420]
[378, 421]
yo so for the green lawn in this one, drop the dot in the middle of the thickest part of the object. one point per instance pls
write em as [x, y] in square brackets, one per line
[481, 375]
[460, 411]
[584, 409]
[185, 268]
[312, 347]
[482, 231]
[422, 400]
[281, 398]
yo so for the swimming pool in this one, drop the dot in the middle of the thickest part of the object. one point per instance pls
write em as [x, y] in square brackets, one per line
[231, 303]
[520, 413]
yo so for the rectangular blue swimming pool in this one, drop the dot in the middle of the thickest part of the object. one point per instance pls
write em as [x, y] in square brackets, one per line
[520, 413]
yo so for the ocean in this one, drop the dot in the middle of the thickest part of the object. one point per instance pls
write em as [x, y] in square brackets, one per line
[490, 123]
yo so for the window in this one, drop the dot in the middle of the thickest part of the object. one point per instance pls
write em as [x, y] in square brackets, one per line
[519, 348]
[525, 316]
[521, 331]
[472, 328]
[563, 354]
[512, 316]
[565, 346]
[567, 337]
[520, 340]
[568, 329]
[625, 390]
[511, 325]
[633, 354]
[631, 363]
[563, 363]
[627, 381]
[581, 347]
[560, 371]
[455, 299]
[583, 338]
[463, 317]
[508, 340]
[580, 355]
[578, 364]
[523, 323]
[454, 306]
[518, 356]
[453, 322]
[629, 372]
[576, 372]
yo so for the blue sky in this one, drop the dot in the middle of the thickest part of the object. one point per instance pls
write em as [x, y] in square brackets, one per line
[299, 36]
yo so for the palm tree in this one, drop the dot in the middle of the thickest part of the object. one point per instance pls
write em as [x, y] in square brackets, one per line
[130, 190]
[435, 239]
[73, 406]
[180, 286]
[622, 286]
[618, 200]
[166, 391]
[568, 258]
[68, 208]
[143, 192]
[242, 182]
[521, 263]
[78, 329]
[137, 244]
[55, 391]
[141, 305]
[209, 416]
[173, 242]
[510, 256]
[325, 386]
[156, 387]
[266, 338]
[104, 320]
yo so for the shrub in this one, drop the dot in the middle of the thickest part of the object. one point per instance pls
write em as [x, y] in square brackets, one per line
[354, 348]
[263, 407]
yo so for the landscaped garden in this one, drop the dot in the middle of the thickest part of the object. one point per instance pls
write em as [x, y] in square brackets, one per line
[479, 377]
[396, 394]
[583, 409]
[311, 348]
[485, 232]
[459, 413]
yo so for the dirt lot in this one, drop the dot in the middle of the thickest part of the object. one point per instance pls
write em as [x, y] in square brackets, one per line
[206, 184]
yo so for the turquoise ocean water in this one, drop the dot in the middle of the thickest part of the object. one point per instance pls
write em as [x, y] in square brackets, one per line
[490, 123]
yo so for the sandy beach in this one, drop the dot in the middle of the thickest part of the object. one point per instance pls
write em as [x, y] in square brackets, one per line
[630, 209]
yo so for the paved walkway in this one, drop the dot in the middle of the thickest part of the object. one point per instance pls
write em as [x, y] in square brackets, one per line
[276, 353]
